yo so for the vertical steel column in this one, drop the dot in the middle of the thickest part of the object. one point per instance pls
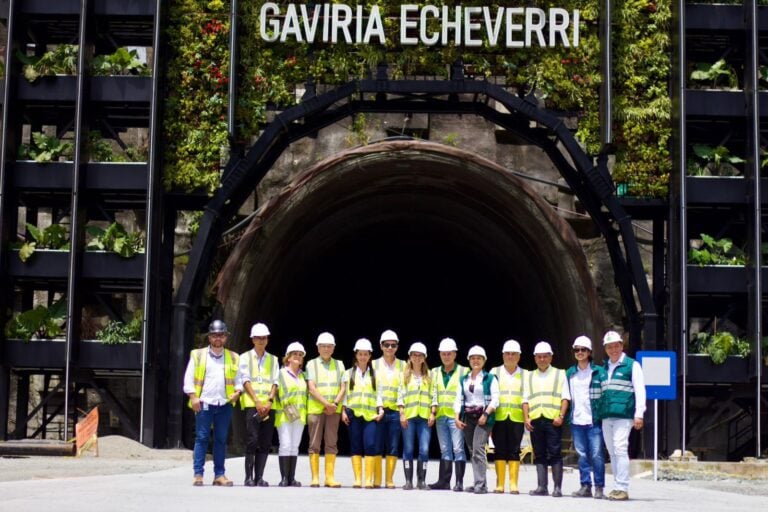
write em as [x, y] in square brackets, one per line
[233, 59]
[606, 70]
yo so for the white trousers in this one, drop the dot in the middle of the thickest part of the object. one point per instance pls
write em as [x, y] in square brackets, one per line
[289, 436]
[616, 434]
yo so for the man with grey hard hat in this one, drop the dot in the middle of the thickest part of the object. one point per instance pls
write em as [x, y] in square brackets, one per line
[212, 384]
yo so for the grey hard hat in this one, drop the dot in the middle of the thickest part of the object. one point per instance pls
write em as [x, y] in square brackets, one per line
[217, 327]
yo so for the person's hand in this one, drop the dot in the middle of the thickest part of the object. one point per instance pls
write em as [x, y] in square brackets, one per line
[482, 420]
[528, 426]
[379, 417]
[403, 421]
[330, 408]
[557, 421]
[344, 417]
[460, 424]
[196, 404]
[234, 397]
[431, 420]
[638, 423]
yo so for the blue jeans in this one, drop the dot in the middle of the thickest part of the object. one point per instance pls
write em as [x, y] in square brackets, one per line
[451, 439]
[362, 436]
[218, 417]
[388, 434]
[416, 427]
[588, 441]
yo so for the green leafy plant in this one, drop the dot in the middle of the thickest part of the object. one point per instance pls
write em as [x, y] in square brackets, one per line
[41, 322]
[54, 237]
[719, 75]
[717, 161]
[719, 345]
[118, 333]
[62, 60]
[45, 148]
[115, 239]
[122, 62]
[711, 251]
[100, 149]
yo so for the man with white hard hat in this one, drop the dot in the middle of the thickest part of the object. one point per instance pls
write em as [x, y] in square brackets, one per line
[258, 371]
[623, 409]
[544, 412]
[326, 392]
[509, 427]
[389, 371]
[583, 390]
[445, 381]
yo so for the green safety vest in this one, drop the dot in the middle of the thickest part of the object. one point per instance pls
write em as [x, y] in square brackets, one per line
[596, 384]
[199, 357]
[446, 395]
[261, 383]
[362, 399]
[328, 383]
[545, 396]
[618, 394]
[388, 385]
[417, 399]
[510, 394]
[291, 391]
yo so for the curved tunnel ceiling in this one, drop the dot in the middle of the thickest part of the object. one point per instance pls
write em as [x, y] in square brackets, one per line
[421, 238]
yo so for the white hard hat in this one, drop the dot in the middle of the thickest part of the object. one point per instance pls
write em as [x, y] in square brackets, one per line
[389, 335]
[295, 347]
[583, 341]
[326, 338]
[542, 347]
[612, 337]
[511, 346]
[418, 347]
[476, 350]
[259, 330]
[363, 344]
[447, 345]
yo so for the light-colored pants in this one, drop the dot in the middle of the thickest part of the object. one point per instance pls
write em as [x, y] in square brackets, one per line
[616, 434]
[289, 436]
[323, 427]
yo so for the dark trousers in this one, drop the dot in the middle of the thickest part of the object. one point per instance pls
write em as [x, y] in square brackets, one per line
[260, 431]
[547, 441]
[362, 436]
[507, 436]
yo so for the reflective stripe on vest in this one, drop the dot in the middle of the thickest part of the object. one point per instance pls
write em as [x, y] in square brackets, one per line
[327, 383]
[446, 395]
[261, 383]
[388, 383]
[291, 391]
[362, 399]
[545, 396]
[200, 357]
[510, 394]
[619, 394]
[417, 398]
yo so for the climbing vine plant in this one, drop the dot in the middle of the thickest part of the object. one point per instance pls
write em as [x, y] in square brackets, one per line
[565, 78]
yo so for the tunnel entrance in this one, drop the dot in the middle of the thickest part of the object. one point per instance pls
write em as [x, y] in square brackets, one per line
[421, 238]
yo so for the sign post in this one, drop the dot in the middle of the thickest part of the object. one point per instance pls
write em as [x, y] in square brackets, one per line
[660, 373]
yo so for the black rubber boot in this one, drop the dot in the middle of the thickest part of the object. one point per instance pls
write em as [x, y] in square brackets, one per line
[260, 464]
[285, 468]
[421, 476]
[585, 491]
[599, 493]
[461, 466]
[408, 470]
[292, 460]
[444, 480]
[541, 475]
[250, 460]
[557, 479]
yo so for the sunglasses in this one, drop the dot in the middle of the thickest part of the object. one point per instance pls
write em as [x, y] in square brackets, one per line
[389, 345]
[580, 349]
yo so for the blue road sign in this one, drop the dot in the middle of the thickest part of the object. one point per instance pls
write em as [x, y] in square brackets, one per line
[660, 372]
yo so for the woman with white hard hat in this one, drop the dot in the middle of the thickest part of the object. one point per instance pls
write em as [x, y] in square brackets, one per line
[509, 427]
[389, 371]
[362, 411]
[291, 412]
[476, 401]
[418, 409]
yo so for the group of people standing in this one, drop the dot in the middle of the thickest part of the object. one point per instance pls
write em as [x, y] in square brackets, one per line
[389, 400]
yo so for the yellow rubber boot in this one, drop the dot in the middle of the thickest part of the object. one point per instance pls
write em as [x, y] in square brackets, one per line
[391, 463]
[330, 468]
[357, 470]
[314, 466]
[514, 474]
[376, 471]
[501, 474]
[370, 465]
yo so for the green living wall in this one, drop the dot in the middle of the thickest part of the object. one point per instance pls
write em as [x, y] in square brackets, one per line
[568, 79]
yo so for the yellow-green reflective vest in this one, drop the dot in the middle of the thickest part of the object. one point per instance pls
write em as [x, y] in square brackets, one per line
[388, 385]
[417, 398]
[446, 395]
[362, 399]
[291, 391]
[510, 394]
[545, 395]
[199, 357]
[261, 378]
[328, 383]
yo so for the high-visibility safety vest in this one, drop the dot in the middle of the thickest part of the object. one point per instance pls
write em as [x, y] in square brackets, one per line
[261, 382]
[291, 391]
[619, 394]
[446, 394]
[200, 357]
[545, 395]
[362, 398]
[388, 384]
[510, 394]
[417, 397]
[328, 383]
[597, 382]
